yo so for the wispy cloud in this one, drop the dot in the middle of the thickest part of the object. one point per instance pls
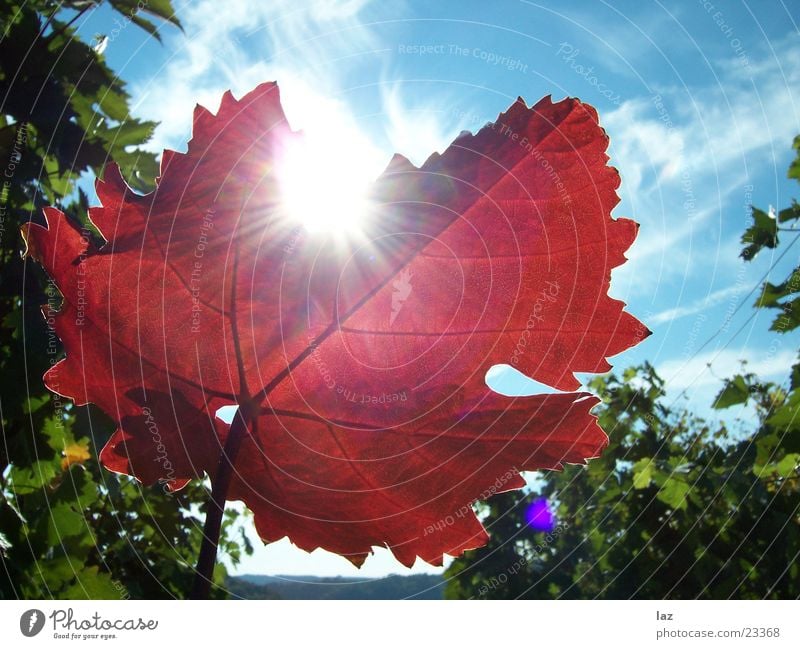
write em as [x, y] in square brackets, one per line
[687, 154]
[418, 126]
[248, 42]
[695, 384]
[698, 306]
[314, 50]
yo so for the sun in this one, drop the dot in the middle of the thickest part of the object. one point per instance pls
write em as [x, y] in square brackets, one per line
[322, 186]
[326, 168]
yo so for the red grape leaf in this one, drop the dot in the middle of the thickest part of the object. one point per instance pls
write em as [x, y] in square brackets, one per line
[360, 365]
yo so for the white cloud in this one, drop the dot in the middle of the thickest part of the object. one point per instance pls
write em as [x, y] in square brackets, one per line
[244, 44]
[417, 129]
[311, 50]
[708, 131]
[710, 368]
[698, 306]
[688, 157]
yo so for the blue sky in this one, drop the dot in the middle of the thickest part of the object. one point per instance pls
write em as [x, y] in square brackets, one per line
[698, 99]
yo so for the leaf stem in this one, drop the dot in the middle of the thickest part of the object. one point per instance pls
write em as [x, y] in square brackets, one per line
[204, 572]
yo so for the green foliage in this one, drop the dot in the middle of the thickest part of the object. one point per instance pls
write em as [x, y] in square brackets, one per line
[734, 393]
[674, 508]
[764, 233]
[67, 527]
[157, 8]
[794, 168]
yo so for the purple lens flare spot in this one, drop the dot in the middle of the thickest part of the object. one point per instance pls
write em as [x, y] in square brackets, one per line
[539, 516]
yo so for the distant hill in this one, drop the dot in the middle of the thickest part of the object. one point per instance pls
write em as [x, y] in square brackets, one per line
[308, 587]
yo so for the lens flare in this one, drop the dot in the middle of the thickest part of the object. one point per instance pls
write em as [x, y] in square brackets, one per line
[539, 516]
